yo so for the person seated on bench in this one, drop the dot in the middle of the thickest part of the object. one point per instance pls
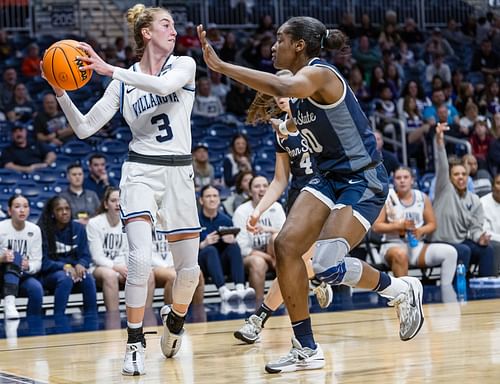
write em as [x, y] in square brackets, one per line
[66, 257]
[108, 246]
[405, 221]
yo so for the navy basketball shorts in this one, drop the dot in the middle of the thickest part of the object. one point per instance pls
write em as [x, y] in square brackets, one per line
[365, 191]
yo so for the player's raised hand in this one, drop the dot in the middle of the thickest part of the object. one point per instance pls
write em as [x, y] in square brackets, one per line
[94, 61]
[209, 55]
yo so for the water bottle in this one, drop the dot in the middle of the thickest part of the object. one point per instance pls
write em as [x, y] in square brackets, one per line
[461, 282]
[412, 240]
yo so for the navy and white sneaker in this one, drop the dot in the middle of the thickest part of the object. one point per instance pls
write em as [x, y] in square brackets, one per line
[133, 363]
[408, 306]
[298, 359]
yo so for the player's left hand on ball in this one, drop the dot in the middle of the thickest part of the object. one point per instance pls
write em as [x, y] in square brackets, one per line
[94, 61]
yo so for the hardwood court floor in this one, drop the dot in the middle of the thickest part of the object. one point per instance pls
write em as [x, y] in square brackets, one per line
[457, 344]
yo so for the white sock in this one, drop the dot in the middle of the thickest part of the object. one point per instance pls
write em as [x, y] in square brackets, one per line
[395, 288]
[240, 287]
[134, 325]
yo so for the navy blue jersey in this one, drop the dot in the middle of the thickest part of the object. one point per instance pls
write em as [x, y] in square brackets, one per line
[302, 164]
[339, 135]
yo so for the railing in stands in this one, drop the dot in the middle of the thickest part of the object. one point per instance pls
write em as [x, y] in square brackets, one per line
[238, 14]
[398, 140]
[16, 16]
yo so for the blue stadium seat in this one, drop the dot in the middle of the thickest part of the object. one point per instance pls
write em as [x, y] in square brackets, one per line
[113, 147]
[76, 148]
[424, 183]
[123, 134]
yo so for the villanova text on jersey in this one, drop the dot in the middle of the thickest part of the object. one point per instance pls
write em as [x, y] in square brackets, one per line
[148, 101]
[113, 244]
[18, 245]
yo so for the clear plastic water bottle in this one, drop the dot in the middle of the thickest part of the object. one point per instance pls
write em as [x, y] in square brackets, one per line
[461, 282]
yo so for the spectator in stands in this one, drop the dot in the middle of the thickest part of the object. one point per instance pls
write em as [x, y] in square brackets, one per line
[358, 85]
[22, 108]
[229, 48]
[220, 254]
[6, 48]
[454, 35]
[377, 80]
[435, 44]
[431, 111]
[206, 104]
[7, 86]
[366, 57]
[266, 27]
[240, 194]
[485, 60]
[459, 213]
[410, 32]
[385, 109]
[238, 160]
[120, 48]
[22, 156]
[413, 89]
[217, 87]
[20, 259]
[347, 25]
[214, 36]
[389, 37]
[366, 28]
[408, 215]
[50, 124]
[108, 247]
[164, 271]
[438, 67]
[66, 257]
[391, 162]
[491, 207]
[391, 75]
[203, 170]
[494, 152]
[490, 101]
[30, 66]
[465, 95]
[98, 178]
[239, 98]
[481, 178]
[258, 249]
[83, 202]
[471, 115]
[480, 141]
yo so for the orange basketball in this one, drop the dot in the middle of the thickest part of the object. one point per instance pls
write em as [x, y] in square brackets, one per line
[61, 67]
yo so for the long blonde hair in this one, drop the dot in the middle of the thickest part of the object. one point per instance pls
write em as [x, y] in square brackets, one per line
[264, 107]
[139, 17]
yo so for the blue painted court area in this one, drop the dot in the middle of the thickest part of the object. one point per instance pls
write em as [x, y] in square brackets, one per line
[344, 300]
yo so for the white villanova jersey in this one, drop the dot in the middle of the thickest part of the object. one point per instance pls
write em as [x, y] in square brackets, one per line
[396, 210]
[160, 124]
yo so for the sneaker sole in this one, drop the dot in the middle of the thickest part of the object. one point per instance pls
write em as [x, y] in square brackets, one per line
[240, 336]
[135, 373]
[419, 297]
[315, 364]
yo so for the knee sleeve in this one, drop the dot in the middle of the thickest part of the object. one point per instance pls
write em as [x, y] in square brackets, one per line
[354, 270]
[185, 253]
[140, 241]
[329, 260]
[185, 284]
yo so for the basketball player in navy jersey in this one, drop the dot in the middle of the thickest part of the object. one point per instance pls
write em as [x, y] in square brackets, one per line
[155, 96]
[340, 203]
[293, 159]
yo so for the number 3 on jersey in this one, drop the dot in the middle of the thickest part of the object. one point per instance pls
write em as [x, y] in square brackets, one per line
[162, 122]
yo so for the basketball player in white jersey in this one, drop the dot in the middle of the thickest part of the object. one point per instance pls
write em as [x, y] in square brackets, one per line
[155, 96]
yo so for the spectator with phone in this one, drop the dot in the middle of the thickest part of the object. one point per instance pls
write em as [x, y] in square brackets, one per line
[219, 251]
